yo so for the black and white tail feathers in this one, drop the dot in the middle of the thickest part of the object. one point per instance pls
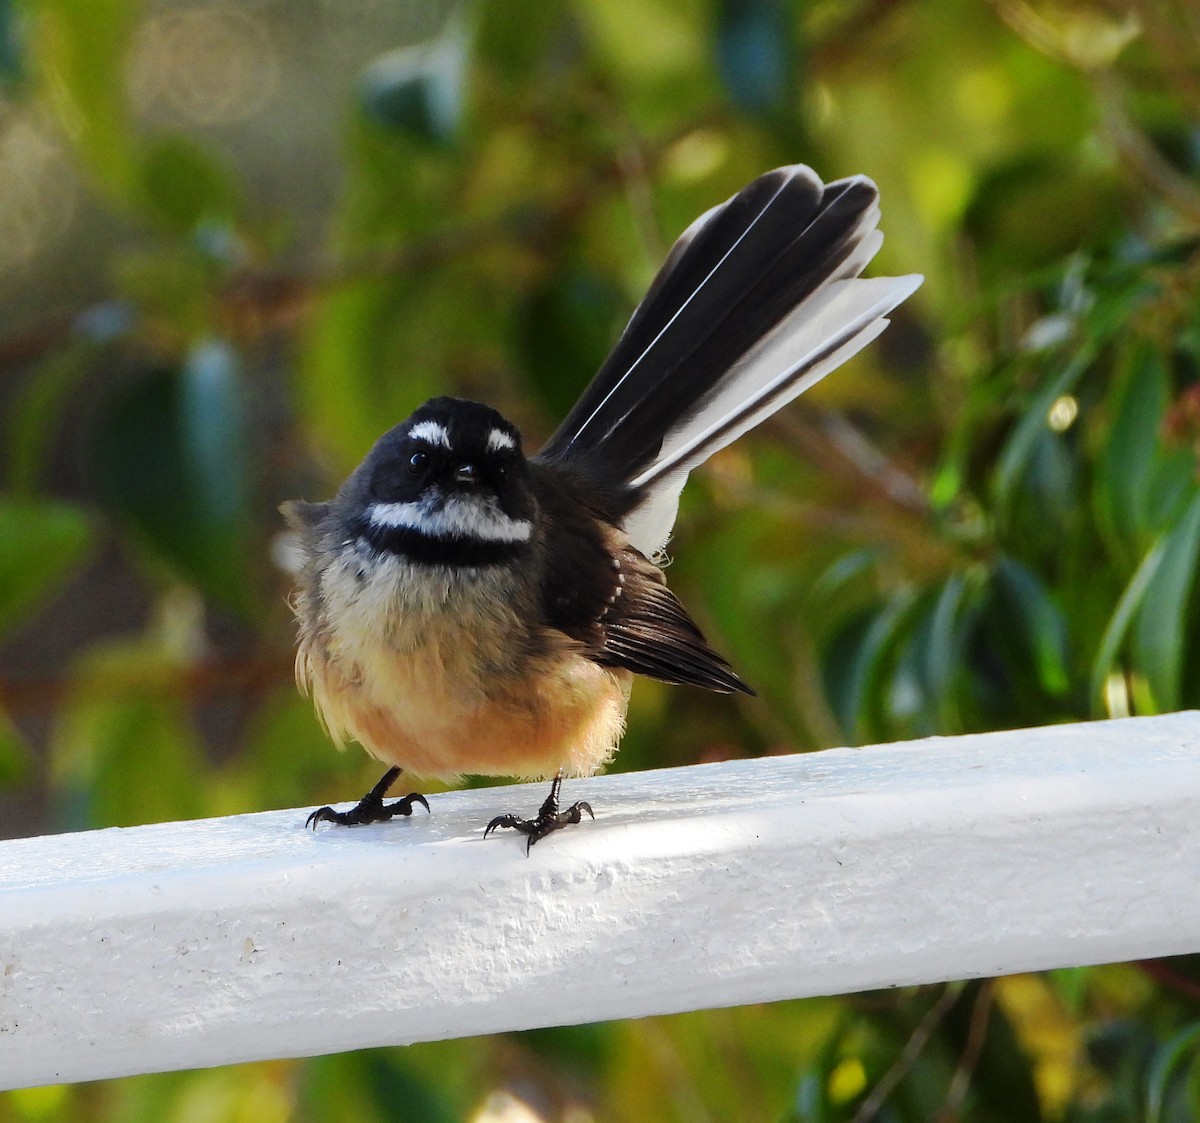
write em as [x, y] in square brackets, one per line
[758, 300]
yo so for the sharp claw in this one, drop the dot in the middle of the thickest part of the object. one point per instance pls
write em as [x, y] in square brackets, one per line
[369, 809]
[318, 816]
[546, 822]
[500, 821]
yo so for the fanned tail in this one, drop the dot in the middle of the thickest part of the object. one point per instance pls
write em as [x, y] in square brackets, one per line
[758, 299]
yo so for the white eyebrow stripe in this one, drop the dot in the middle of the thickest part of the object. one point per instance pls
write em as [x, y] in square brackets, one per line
[432, 431]
[457, 517]
[498, 439]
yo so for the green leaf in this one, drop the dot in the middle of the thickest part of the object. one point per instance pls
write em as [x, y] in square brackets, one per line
[516, 37]
[856, 661]
[124, 751]
[41, 544]
[942, 654]
[37, 411]
[14, 753]
[565, 332]
[377, 350]
[184, 186]
[1168, 1059]
[1018, 453]
[81, 46]
[1036, 620]
[1126, 464]
[1118, 623]
[849, 574]
[1162, 625]
[174, 458]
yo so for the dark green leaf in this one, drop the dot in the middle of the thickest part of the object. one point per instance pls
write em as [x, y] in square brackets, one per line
[1003, 1085]
[1032, 428]
[41, 544]
[14, 752]
[1126, 464]
[1036, 620]
[941, 657]
[850, 569]
[1118, 623]
[174, 458]
[1163, 618]
[35, 415]
[517, 36]
[566, 330]
[1184, 1047]
[856, 663]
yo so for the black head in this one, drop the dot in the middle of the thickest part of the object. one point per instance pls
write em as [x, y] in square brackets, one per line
[448, 486]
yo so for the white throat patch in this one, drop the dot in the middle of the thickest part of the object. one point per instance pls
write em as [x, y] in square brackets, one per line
[456, 516]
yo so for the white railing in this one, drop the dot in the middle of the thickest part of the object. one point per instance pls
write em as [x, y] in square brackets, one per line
[201, 943]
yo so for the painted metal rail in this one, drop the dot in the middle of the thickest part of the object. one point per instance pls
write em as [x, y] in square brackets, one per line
[182, 945]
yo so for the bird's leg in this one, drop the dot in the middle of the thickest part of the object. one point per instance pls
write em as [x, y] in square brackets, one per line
[549, 817]
[371, 808]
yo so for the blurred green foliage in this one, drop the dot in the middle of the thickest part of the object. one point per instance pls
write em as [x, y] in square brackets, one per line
[989, 520]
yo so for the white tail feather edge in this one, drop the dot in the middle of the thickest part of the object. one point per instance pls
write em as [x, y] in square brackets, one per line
[814, 339]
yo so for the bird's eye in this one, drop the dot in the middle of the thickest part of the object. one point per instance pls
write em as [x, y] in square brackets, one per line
[418, 462]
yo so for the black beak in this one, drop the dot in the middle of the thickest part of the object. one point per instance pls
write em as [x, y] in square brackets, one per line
[467, 474]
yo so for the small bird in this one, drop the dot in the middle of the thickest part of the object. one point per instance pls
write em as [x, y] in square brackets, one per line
[463, 608]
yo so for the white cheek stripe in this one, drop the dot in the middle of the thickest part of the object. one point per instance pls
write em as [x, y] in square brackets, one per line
[456, 517]
[498, 439]
[430, 431]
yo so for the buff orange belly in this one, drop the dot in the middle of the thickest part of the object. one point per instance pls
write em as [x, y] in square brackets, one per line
[569, 718]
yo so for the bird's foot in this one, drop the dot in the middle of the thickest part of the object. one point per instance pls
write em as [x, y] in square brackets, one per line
[371, 808]
[548, 819]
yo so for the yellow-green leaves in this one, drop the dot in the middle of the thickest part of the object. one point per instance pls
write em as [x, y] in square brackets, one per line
[41, 543]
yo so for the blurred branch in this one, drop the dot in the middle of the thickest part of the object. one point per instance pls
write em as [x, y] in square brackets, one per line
[31, 345]
[912, 1050]
[1091, 43]
[960, 1083]
[1081, 37]
[251, 675]
[844, 42]
[638, 190]
[1140, 155]
[256, 301]
[1161, 971]
[1177, 43]
[826, 438]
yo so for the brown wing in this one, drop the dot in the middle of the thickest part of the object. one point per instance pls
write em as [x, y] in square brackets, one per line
[648, 631]
[613, 600]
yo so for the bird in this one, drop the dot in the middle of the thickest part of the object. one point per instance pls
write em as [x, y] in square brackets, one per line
[465, 608]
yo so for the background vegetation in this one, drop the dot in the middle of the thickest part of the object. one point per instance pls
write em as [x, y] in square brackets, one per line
[237, 241]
